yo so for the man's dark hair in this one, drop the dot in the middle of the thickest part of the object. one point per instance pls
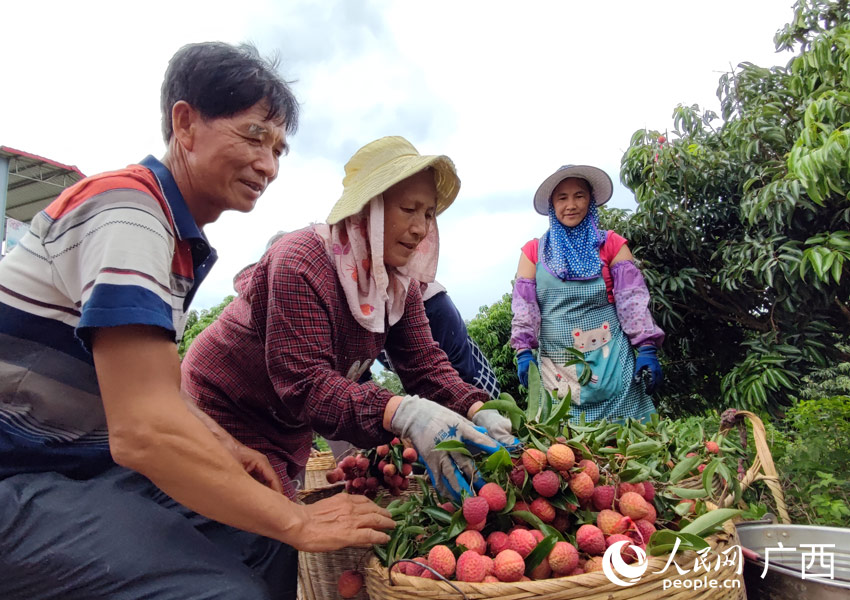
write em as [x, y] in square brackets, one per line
[220, 80]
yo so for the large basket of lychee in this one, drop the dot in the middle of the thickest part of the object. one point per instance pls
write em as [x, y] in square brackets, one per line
[587, 510]
[381, 473]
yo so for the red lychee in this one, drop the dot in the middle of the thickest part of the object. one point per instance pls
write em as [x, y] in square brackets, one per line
[441, 559]
[472, 540]
[544, 511]
[651, 514]
[496, 497]
[582, 485]
[626, 552]
[518, 476]
[475, 509]
[590, 539]
[416, 570]
[633, 505]
[591, 469]
[648, 491]
[560, 457]
[349, 584]
[546, 483]
[497, 541]
[712, 447]
[538, 535]
[563, 558]
[522, 542]
[542, 570]
[508, 566]
[409, 455]
[470, 567]
[533, 460]
[488, 564]
[593, 564]
[612, 522]
[603, 497]
[476, 526]
[448, 507]
[644, 529]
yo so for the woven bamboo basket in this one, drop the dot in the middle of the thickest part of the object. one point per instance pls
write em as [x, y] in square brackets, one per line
[317, 466]
[761, 469]
[589, 586]
[318, 572]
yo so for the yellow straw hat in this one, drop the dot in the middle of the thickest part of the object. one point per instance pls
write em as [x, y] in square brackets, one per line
[381, 164]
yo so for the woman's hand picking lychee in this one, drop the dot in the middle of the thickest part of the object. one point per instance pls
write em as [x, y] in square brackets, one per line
[339, 522]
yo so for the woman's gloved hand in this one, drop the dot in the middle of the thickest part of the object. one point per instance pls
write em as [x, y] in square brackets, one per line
[496, 426]
[647, 358]
[523, 359]
[426, 424]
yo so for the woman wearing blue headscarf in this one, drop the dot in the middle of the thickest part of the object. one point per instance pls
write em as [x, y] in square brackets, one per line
[578, 287]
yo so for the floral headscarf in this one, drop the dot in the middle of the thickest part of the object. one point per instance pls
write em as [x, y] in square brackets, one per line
[374, 291]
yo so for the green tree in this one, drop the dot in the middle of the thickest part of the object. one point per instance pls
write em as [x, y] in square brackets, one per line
[196, 322]
[491, 330]
[743, 223]
[390, 381]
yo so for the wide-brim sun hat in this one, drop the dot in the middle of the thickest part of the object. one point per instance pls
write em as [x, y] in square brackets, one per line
[600, 185]
[381, 164]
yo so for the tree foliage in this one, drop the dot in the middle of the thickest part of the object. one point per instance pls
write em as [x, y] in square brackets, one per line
[743, 223]
[491, 330]
[196, 322]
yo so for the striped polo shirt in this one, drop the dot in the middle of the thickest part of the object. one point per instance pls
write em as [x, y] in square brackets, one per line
[119, 248]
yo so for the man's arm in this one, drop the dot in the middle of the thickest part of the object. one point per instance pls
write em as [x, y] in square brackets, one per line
[152, 431]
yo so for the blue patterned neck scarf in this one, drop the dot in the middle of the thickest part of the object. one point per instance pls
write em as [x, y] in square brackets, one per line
[573, 252]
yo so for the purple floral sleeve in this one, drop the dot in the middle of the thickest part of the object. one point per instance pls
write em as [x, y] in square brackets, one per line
[525, 325]
[631, 298]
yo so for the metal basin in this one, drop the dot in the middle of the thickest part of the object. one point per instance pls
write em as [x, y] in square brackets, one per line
[787, 577]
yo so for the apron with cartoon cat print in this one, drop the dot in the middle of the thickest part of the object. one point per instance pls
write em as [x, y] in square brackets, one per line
[577, 314]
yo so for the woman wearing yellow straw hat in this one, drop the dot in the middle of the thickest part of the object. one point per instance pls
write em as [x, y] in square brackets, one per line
[577, 287]
[312, 315]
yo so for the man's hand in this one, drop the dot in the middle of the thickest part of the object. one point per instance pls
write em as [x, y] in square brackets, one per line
[342, 521]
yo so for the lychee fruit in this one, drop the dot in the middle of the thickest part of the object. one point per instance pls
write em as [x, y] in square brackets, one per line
[561, 522]
[701, 468]
[382, 450]
[476, 526]
[603, 497]
[546, 483]
[542, 570]
[491, 579]
[544, 511]
[362, 464]
[414, 569]
[590, 539]
[692, 504]
[648, 491]
[475, 509]
[712, 447]
[441, 559]
[633, 505]
[538, 535]
[690, 454]
[577, 571]
[448, 507]
[560, 457]
[518, 476]
[522, 542]
[533, 460]
[643, 530]
[590, 469]
[409, 455]
[582, 485]
[497, 541]
[470, 567]
[508, 566]
[520, 506]
[488, 564]
[563, 558]
[612, 522]
[626, 552]
[593, 564]
[651, 514]
[624, 488]
[496, 497]
[349, 584]
[472, 540]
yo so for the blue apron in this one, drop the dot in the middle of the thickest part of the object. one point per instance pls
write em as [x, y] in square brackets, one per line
[577, 314]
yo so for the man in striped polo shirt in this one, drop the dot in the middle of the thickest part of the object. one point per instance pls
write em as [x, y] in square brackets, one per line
[111, 485]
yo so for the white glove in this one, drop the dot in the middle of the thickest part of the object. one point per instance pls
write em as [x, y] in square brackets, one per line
[497, 426]
[426, 424]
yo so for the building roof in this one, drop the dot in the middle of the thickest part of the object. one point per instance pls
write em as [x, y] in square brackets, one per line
[34, 181]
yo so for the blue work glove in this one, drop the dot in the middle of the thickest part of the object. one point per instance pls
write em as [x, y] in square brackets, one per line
[496, 426]
[647, 358]
[523, 359]
[426, 424]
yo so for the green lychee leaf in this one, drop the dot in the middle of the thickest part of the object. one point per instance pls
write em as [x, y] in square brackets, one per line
[562, 412]
[540, 552]
[688, 493]
[458, 524]
[511, 502]
[549, 530]
[438, 514]
[643, 448]
[499, 460]
[528, 517]
[533, 404]
[453, 446]
[504, 407]
[441, 537]
[710, 520]
[684, 467]
[663, 541]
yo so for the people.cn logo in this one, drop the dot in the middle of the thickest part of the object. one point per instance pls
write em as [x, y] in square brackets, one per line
[614, 566]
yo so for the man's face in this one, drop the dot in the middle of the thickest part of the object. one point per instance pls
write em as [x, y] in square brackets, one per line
[410, 207]
[233, 159]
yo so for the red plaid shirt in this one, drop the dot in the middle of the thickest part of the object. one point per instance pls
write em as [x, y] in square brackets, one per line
[284, 357]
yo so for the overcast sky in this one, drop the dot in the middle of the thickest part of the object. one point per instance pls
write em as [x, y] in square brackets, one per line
[510, 91]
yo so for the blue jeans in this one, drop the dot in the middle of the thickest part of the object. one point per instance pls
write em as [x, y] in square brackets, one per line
[118, 536]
